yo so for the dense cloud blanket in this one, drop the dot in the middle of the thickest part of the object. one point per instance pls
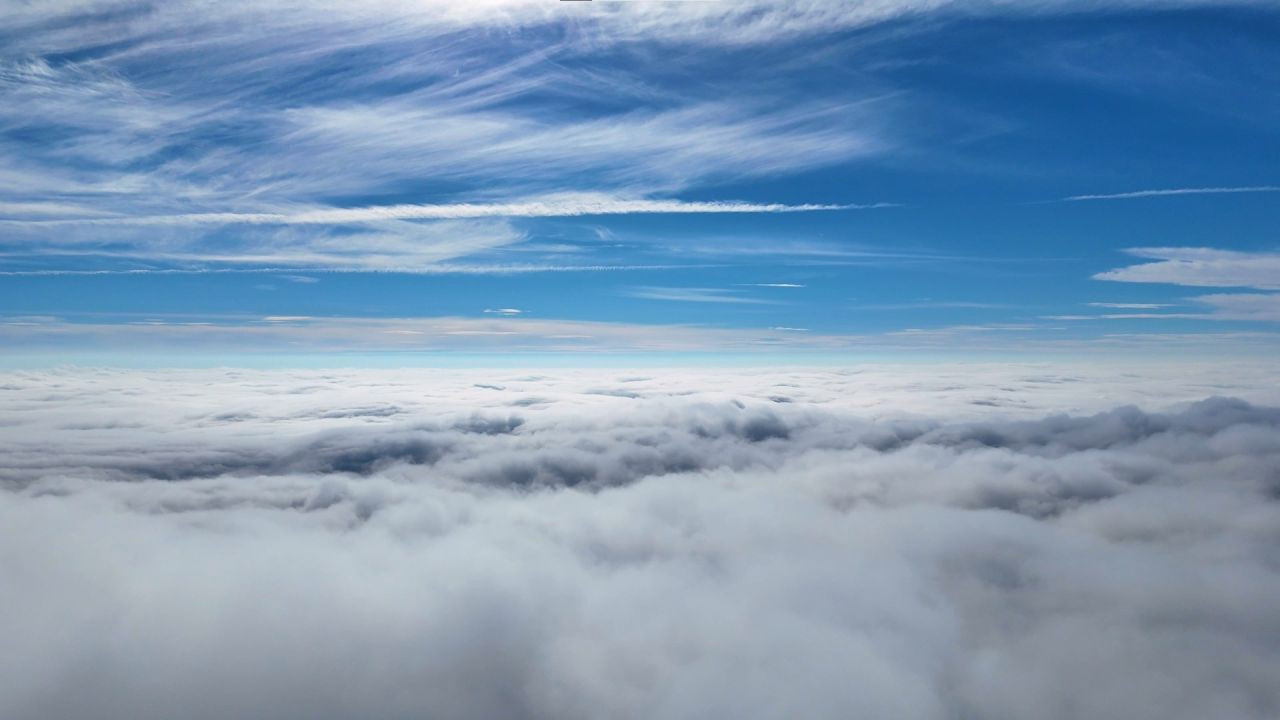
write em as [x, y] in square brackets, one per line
[962, 543]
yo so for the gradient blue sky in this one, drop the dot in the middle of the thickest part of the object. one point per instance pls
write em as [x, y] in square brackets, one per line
[835, 178]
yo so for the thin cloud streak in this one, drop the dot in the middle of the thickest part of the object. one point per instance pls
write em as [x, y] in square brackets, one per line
[927, 304]
[1174, 191]
[572, 207]
[694, 294]
[1130, 306]
[437, 269]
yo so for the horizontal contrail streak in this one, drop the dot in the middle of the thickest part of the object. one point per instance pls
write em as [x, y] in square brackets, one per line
[566, 208]
[1175, 191]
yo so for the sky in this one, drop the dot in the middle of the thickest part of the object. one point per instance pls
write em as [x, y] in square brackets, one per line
[183, 181]
[639, 359]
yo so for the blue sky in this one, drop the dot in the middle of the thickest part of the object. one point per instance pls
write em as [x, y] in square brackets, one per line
[757, 177]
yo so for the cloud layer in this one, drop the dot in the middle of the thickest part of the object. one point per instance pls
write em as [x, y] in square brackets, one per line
[927, 544]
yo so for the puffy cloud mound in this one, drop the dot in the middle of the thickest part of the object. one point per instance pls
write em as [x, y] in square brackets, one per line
[949, 543]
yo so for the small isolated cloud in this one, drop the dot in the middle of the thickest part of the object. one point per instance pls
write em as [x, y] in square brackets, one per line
[509, 312]
[774, 285]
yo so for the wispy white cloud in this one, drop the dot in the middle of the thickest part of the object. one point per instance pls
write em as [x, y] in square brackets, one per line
[1147, 315]
[378, 245]
[1240, 307]
[1130, 306]
[454, 115]
[694, 294]
[926, 304]
[36, 210]
[1175, 191]
[1263, 307]
[1203, 267]
[187, 117]
[1200, 267]
[665, 149]
[568, 205]
[201, 117]
[428, 269]
[950, 330]
[510, 312]
[739, 22]
[808, 252]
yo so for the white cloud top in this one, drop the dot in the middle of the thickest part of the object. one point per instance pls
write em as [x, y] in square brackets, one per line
[452, 544]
